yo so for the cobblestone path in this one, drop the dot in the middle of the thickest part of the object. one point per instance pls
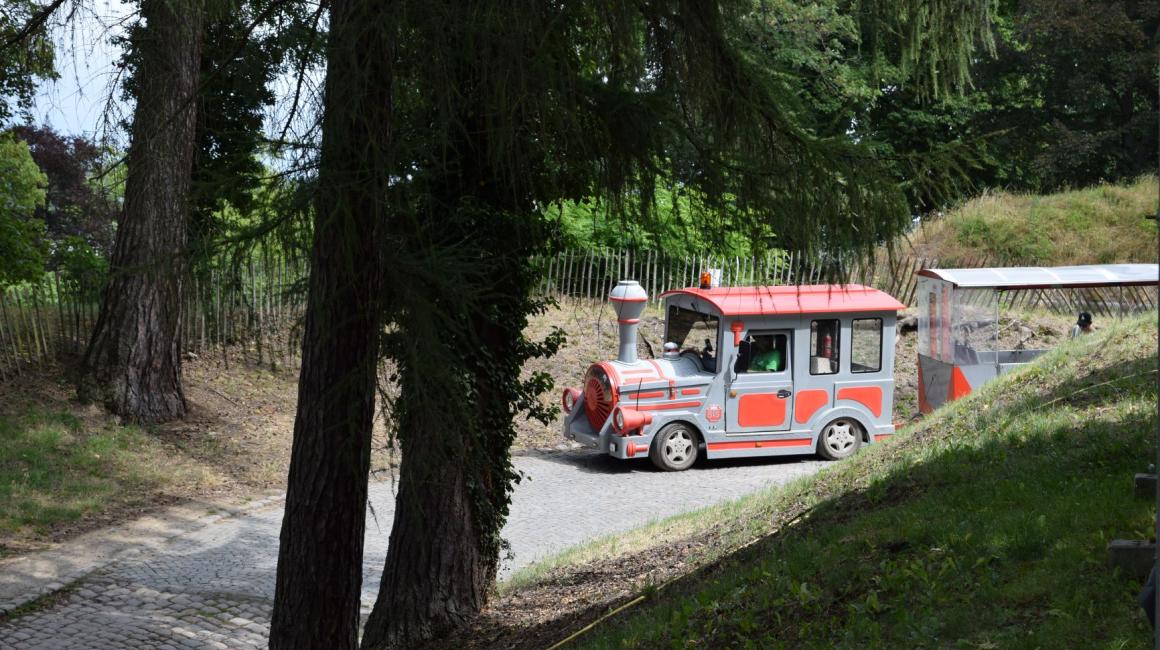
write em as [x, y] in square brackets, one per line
[213, 588]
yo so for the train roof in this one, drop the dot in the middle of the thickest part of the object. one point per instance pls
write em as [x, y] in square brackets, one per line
[790, 300]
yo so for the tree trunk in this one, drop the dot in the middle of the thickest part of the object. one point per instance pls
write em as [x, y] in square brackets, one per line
[133, 362]
[455, 474]
[435, 577]
[319, 577]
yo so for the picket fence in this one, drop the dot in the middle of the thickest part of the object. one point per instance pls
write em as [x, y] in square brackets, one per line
[591, 274]
[245, 313]
[252, 311]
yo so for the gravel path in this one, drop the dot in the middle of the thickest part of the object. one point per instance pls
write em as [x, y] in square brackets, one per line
[213, 587]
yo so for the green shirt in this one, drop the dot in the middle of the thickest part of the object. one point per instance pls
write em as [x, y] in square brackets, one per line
[767, 362]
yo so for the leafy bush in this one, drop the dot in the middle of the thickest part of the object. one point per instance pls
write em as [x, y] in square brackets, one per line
[23, 248]
[82, 265]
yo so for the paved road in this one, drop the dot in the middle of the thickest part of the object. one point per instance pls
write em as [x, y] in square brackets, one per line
[213, 588]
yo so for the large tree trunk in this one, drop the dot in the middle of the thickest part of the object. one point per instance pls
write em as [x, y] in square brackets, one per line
[436, 574]
[455, 476]
[455, 473]
[319, 578]
[133, 362]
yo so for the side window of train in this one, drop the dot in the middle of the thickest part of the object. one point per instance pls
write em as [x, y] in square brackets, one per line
[866, 345]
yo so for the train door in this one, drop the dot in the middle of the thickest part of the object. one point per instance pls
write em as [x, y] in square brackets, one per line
[761, 395]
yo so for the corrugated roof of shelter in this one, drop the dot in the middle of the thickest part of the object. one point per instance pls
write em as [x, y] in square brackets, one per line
[1042, 277]
[786, 300]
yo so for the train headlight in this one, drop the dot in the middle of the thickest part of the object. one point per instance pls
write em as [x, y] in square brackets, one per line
[625, 421]
[569, 398]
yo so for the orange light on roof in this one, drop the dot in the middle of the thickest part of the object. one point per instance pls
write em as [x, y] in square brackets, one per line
[706, 280]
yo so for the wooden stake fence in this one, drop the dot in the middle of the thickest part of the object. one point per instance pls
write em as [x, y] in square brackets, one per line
[253, 312]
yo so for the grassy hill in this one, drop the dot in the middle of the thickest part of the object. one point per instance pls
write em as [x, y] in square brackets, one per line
[984, 525]
[1098, 225]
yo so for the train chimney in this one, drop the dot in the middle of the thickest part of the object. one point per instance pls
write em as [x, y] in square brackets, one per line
[628, 299]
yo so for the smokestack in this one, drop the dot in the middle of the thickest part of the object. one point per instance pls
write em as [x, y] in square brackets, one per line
[628, 299]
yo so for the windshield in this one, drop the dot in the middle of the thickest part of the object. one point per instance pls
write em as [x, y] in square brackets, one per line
[691, 330]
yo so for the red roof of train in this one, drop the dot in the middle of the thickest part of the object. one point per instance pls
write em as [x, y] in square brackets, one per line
[787, 300]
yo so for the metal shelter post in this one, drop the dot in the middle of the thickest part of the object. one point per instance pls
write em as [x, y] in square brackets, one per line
[996, 293]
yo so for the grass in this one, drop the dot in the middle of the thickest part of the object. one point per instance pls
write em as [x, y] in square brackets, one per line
[1098, 225]
[985, 525]
[54, 470]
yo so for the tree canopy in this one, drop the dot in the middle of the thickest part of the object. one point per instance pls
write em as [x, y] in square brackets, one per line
[25, 55]
[76, 205]
[23, 248]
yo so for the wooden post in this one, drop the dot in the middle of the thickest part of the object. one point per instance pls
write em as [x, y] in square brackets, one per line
[255, 311]
[40, 320]
[59, 311]
[6, 332]
[590, 258]
[21, 320]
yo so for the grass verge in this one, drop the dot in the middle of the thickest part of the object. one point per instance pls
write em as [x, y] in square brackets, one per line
[54, 469]
[984, 525]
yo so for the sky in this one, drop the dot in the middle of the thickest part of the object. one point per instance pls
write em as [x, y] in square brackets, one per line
[85, 99]
[86, 62]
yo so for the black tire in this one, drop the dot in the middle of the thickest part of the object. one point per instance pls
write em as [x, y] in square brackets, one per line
[675, 447]
[840, 439]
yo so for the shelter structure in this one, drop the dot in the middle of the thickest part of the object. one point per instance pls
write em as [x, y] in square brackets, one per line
[958, 319]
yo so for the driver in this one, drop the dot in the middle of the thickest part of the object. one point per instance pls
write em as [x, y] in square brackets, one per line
[767, 361]
[707, 358]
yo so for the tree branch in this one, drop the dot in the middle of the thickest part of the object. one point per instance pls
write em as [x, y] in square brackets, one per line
[33, 25]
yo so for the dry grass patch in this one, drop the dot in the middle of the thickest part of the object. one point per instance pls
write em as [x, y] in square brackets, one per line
[1099, 225]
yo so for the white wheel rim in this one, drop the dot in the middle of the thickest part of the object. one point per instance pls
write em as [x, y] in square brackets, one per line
[677, 446]
[840, 437]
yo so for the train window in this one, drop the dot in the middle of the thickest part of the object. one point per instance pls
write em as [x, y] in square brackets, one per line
[762, 352]
[824, 353]
[866, 345]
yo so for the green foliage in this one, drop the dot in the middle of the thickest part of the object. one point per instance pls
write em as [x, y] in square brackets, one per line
[243, 52]
[82, 265]
[238, 203]
[1066, 100]
[76, 204]
[986, 526]
[23, 247]
[22, 61]
[674, 225]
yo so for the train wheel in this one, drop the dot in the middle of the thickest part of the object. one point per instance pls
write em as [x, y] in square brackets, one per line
[840, 439]
[674, 448]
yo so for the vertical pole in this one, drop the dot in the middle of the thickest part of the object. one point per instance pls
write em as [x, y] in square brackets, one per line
[11, 345]
[21, 319]
[995, 294]
[59, 310]
[13, 333]
[40, 321]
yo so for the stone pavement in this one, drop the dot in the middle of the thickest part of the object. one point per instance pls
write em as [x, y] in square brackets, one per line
[212, 587]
